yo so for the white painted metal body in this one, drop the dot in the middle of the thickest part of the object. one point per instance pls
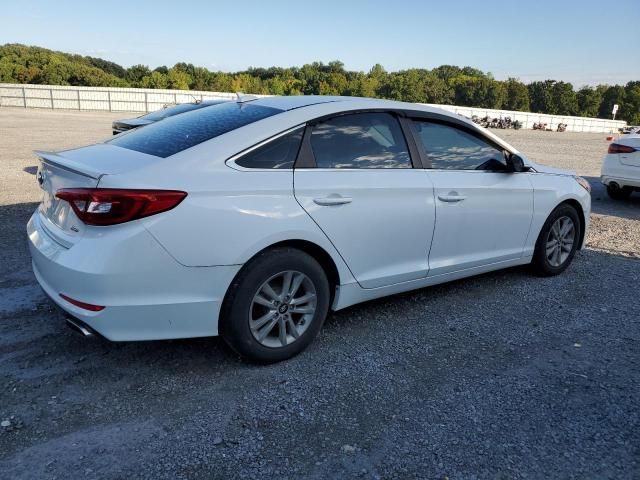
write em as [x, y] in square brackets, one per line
[623, 168]
[165, 276]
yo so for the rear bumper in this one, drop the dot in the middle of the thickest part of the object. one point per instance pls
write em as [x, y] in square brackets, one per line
[147, 295]
[613, 170]
[623, 182]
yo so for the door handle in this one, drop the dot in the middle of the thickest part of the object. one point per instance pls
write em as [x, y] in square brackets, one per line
[451, 198]
[332, 200]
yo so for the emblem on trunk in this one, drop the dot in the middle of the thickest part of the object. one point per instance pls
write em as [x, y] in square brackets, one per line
[40, 177]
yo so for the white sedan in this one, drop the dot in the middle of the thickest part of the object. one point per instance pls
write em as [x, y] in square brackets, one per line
[252, 219]
[621, 167]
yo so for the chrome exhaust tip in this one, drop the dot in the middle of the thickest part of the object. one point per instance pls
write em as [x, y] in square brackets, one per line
[79, 327]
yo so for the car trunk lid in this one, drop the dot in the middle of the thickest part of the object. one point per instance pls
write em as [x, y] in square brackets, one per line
[79, 168]
[632, 157]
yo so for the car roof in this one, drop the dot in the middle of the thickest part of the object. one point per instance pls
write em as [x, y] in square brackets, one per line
[287, 103]
[292, 102]
[212, 101]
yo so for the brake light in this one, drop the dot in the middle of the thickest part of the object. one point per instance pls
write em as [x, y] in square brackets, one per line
[617, 148]
[108, 206]
[78, 303]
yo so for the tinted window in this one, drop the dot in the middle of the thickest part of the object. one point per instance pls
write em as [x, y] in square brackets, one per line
[452, 148]
[177, 133]
[363, 140]
[278, 153]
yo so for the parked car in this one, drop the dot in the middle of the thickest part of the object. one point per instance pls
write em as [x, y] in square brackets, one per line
[253, 219]
[119, 126]
[629, 130]
[621, 167]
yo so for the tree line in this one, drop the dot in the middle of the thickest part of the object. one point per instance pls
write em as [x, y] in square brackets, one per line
[447, 84]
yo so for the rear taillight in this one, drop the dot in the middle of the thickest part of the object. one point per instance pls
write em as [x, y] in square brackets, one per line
[108, 206]
[85, 306]
[617, 148]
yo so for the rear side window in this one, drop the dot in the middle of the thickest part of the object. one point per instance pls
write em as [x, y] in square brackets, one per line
[278, 153]
[177, 133]
[361, 140]
[453, 148]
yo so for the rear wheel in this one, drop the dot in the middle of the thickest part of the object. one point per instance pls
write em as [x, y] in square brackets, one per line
[557, 242]
[276, 305]
[616, 192]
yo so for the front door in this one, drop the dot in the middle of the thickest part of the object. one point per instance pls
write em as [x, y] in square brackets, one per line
[483, 209]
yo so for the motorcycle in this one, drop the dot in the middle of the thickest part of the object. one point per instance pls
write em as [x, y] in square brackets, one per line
[503, 123]
[561, 127]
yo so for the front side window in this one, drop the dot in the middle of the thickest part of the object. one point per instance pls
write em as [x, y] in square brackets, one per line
[362, 140]
[180, 132]
[453, 148]
[278, 153]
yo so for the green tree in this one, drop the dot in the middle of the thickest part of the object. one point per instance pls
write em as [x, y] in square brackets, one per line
[154, 80]
[630, 111]
[540, 96]
[107, 67]
[478, 92]
[177, 79]
[136, 73]
[610, 97]
[199, 79]
[563, 99]
[589, 100]
[445, 84]
[516, 96]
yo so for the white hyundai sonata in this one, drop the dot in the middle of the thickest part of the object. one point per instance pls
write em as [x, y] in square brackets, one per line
[252, 219]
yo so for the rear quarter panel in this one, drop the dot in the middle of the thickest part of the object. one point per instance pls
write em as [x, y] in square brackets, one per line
[237, 215]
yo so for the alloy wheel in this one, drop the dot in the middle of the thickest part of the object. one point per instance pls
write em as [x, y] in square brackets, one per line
[560, 241]
[282, 309]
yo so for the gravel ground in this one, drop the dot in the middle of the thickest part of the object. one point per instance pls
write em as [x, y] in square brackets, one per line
[499, 376]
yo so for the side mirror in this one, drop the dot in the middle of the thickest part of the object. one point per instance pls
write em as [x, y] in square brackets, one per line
[517, 163]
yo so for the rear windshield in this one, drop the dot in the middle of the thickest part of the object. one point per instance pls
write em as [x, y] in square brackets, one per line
[177, 133]
[169, 111]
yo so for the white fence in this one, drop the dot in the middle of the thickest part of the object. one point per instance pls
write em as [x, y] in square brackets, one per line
[147, 100]
[574, 124]
[97, 98]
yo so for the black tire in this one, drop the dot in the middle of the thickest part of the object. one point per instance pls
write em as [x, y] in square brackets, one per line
[616, 193]
[236, 308]
[540, 264]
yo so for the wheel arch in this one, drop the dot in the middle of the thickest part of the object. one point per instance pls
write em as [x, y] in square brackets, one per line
[313, 249]
[583, 221]
[318, 253]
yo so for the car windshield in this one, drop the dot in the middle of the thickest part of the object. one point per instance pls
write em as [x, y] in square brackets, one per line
[169, 111]
[180, 132]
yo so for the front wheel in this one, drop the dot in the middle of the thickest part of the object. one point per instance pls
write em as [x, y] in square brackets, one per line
[557, 242]
[276, 305]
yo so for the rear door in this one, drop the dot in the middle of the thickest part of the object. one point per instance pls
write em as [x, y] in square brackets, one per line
[483, 209]
[355, 178]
